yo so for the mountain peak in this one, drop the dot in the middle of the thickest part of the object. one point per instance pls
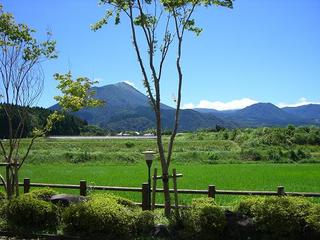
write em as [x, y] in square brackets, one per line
[263, 104]
[125, 84]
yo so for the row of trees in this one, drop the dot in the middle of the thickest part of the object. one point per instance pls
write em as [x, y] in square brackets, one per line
[36, 117]
[251, 137]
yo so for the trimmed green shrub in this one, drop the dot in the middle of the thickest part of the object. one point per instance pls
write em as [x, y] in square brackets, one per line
[204, 220]
[43, 194]
[123, 201]
[29, 213]
[209, 218]
[144, 222]
[245, 207]
[313, 218]
[101, 216]
[281, 217]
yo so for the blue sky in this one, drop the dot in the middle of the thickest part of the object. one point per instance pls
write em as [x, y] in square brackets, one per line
[265, 51]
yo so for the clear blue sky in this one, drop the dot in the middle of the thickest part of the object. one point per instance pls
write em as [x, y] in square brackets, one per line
[264, 50]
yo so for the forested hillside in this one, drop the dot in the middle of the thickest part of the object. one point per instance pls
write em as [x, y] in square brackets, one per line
[36, 118]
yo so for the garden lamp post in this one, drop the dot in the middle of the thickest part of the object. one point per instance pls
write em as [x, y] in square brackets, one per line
[149, 156]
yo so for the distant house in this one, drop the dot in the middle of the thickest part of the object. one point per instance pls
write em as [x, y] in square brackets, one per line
[149, 135]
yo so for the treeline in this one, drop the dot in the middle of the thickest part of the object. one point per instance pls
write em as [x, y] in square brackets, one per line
[272, 136]
[35, 117]
[279, 145]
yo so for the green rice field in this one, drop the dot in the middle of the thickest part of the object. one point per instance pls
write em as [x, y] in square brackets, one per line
[295, 177]
[202, 161]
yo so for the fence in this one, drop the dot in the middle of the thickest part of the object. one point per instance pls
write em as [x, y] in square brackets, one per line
[211, 191]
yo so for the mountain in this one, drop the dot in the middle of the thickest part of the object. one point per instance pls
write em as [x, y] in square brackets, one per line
[267, 114]
[264, 114]
[128, 109]
[310, 112]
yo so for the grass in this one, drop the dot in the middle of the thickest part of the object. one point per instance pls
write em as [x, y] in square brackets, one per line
[189, 148]
[295, 177]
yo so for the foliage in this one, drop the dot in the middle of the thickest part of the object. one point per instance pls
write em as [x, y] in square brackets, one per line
[251, 155]
[30, 213]
[42, 194]
[313, 219]
[144, 222]
[41, 118]
[129, 144]
[3, 211]
[21, 84]
[204, 220]
[154, 25]
[102, 215]
[77, 93]
[279, 216]
[12, 34]
[245, 207]
[91, 130]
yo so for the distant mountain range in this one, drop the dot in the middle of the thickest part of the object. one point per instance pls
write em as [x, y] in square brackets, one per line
[128, 109]
[268, 115]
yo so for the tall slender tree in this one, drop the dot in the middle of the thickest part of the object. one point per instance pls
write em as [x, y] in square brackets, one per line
[21, 85]
[158, 26]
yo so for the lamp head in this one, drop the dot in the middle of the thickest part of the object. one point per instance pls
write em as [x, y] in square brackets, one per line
[149, 156]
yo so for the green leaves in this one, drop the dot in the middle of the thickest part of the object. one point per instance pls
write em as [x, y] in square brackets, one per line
[191, 26]
[102, 21]
[51, 120]
[146, 20]
[19, 36]
[76, 93]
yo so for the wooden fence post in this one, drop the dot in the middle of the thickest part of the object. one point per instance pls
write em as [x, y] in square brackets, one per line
[145, 196]
[175, 188]
[281, 191]
[26, 185]
[212, 191]
[83, 188]
[154, 189]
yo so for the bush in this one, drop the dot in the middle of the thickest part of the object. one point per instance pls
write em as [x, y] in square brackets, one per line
[3, 196]
[281, 217]
[250, 155]
[122, 201]
[3, 215]
[213, 157]
[245, 207]
[205, 220]
[144, 222]
[129, 144]
[42, 194]
[29, 213]
[102, 215]
[274, 156]
[313, 219]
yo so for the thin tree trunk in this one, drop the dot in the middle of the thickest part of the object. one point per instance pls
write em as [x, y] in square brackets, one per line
[166, 192]
[16, 180]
